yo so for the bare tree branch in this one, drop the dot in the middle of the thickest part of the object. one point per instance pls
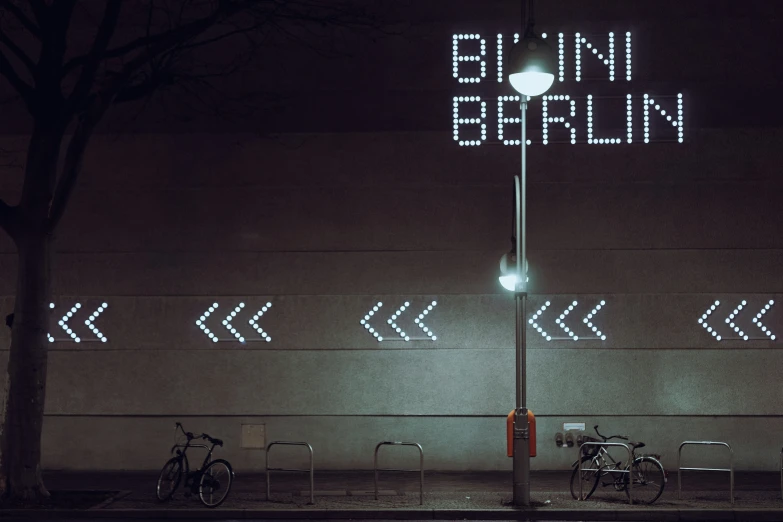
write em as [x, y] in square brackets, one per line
[171, 39]
[144, 88]
[94, 57]
[138, 43]
[20, 15]
[223, 10]
[18, 52]
[40, 10]
[222, 36]
[7, 70]
[103, 99]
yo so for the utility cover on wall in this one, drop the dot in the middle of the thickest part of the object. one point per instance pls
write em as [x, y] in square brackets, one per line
[253, 436]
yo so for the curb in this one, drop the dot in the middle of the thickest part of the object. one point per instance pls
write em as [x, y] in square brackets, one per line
[117, 496]
[630, 515]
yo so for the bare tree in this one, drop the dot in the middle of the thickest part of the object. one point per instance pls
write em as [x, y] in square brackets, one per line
[70, 62]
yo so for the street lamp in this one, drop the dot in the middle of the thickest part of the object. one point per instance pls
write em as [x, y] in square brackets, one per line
[531, 66]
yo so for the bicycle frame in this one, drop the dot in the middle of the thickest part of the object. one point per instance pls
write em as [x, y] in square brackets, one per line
[601, 456]
[182, 454]
[607, 461]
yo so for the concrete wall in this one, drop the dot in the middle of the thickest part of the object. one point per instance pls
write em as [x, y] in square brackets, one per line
[326, 226]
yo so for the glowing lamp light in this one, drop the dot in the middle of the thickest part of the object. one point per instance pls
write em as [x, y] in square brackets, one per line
[531, 83]
[531, 63]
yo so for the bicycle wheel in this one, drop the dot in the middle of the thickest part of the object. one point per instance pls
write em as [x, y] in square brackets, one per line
[215, 483]
[589, 478]
[648, 480]
[169, 478]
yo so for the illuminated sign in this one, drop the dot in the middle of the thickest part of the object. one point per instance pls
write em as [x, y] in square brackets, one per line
[483, 110]
[594, 333]
[228, 324]
[396, 329]
[731, 318]
[89, 322]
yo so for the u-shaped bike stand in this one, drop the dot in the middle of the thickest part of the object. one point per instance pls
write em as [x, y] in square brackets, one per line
[706, 443]
[268, 469]
[420, 470]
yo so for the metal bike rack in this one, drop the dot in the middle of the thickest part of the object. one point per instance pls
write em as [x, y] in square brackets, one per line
[630, 463]
[420, 470]
[707, 443]
[268, 469]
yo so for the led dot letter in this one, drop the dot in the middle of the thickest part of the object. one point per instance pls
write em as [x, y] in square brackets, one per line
[503, 120]
[458, 58]
[458, 121]
[677, 123]
[608, 60]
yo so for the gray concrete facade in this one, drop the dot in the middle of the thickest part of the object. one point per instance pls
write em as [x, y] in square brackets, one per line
[326, 226]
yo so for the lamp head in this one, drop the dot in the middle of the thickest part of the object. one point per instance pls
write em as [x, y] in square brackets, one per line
[531, 65]
[508, 272]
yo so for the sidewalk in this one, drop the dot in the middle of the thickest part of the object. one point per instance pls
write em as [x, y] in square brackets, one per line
[447, 495]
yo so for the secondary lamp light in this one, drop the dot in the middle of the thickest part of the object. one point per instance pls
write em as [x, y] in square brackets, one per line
[508, 271]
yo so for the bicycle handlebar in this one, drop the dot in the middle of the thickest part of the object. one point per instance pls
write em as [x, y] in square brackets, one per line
[203, 436]
[216, 442]
[621, 437]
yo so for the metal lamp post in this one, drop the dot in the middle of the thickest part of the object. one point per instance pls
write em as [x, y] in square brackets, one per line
[531, 67]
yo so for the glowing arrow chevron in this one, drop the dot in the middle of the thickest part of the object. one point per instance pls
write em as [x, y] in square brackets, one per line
[560, 321]
[366, 321]
[703, 320]
[89, 322]
[394, 318]
[254, 322]
[200, 322]
[533, 322]
[391, 320]
[730, 321]
[230, 327]
[64, 322]
[757, 320]
[588, 320]
[421, 324]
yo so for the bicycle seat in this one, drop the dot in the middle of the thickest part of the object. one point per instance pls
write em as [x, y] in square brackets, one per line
[219, 442]
[637, 444]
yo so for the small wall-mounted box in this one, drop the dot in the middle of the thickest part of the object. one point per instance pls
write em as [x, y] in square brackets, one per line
[253, 436]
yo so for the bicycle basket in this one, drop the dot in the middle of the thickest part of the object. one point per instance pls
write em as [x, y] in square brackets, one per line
[592, 450]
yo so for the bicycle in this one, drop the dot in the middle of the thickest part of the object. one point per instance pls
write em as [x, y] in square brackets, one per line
[598, 466]
[206, 482]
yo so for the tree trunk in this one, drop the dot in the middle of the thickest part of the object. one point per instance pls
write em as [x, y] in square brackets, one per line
[21, 435]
